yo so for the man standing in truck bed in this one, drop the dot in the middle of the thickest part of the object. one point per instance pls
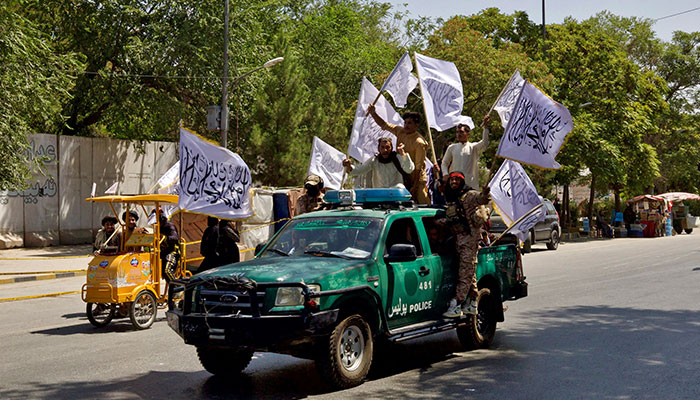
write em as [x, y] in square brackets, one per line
[465, 215]
[415, 146]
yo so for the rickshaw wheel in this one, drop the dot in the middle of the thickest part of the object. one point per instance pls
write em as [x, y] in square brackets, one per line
[143, 310]
[100, 314]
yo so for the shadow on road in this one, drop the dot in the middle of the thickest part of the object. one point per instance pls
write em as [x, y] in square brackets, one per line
[121, 324]
[576, 352]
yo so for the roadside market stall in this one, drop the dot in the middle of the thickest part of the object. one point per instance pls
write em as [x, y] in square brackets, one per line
[682, 220]
[651, 212]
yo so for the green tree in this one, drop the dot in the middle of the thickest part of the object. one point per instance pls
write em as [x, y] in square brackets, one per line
[35, 80]
[485, 60]
[280, 140]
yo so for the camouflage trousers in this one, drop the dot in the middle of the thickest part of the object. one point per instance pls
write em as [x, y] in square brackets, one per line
[467, 249]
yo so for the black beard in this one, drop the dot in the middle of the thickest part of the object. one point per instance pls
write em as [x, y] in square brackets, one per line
[388, 159]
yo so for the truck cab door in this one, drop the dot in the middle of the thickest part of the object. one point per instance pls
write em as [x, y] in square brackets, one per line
[411, 286]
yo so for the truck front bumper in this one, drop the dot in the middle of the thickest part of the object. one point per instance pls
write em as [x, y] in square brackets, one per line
[245, 330]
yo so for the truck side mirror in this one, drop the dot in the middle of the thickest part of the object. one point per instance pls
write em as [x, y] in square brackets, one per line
[401, 253]
[259, 248]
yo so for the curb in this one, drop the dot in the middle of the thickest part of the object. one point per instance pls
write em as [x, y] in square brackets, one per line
[38, 296]
[42, 277]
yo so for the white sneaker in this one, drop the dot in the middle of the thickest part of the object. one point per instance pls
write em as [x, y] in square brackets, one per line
[469, 307]
[453, 310]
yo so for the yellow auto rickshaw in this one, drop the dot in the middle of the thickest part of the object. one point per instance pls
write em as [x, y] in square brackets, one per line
[128, 281]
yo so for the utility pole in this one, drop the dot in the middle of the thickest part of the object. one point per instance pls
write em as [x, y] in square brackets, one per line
[224, 83]
[544, 34]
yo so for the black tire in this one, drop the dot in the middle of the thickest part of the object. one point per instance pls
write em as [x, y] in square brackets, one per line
[527, 246]
[345, 357]
[143, 310]
[100, 314]
[688, 230]
[678, 227]
[480, 329]
[223, 361]
[553, 243]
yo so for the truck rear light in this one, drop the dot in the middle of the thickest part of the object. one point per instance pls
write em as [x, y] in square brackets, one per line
[519, 267]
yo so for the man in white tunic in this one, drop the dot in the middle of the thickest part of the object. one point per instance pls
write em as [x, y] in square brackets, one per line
[464, 156]
[387, 169]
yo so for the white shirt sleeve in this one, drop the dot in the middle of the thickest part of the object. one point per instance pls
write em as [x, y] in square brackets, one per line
[483, 143]
[406, 163]
[362, 168]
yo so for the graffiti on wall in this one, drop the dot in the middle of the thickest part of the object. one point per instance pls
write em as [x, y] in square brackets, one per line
[46, 153]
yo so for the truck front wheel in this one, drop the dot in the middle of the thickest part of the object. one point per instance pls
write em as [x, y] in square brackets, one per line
[480, 329]
[223, 361]
[345, 357]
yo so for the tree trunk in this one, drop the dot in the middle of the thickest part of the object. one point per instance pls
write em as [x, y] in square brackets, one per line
[590, 200]
[617, 197]
[566, 211]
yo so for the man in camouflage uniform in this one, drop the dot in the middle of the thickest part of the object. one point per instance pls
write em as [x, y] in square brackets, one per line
[312, 199]
[464, 215]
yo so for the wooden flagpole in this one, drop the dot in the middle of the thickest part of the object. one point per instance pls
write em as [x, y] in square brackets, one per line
[427, 124]
[537, 207]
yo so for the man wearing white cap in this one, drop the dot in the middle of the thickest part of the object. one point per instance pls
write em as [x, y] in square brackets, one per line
[464, 156]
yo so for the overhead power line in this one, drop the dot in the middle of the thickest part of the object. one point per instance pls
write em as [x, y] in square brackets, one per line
[679, 13]
[118, 75]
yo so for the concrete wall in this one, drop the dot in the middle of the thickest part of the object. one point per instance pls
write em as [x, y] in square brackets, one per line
[54, 211]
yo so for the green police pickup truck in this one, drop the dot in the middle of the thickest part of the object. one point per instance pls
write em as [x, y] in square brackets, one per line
[333, 284]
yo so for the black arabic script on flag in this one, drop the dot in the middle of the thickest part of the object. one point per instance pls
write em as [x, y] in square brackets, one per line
[535, 125]
[214, 182]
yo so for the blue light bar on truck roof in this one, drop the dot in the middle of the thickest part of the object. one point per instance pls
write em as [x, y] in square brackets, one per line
[363, 196]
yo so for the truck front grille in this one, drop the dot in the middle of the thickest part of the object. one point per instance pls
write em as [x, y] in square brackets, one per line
[230, 302]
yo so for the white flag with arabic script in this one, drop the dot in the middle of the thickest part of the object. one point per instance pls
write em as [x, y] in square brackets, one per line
[514, 195]
[213, 180]
[366, 132]
[401, 81]
[506, 101]
[170, 176]
[326, 162]
[536, 131]
[443, 97]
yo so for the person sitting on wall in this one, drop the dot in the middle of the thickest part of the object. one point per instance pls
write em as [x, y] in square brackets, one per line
[106, 240]
[603, 227]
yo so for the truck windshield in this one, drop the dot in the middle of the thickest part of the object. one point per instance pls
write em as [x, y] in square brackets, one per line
[343, 237]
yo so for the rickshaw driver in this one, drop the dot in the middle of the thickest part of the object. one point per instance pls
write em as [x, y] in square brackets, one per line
[130, 218]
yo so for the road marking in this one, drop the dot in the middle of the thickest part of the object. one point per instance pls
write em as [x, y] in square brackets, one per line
[38, 296]
[42, 277]
[42, 272]
[42, 258]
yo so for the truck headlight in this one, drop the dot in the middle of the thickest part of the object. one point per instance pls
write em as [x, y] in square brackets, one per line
[291, 296]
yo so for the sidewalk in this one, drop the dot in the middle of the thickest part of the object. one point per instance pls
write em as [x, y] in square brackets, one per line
[30, 264]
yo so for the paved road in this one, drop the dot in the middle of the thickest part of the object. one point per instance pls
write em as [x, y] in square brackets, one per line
[604, 319]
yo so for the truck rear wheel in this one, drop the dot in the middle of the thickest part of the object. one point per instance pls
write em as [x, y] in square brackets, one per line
[223, 361]
[480, 329]
[345, 357]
